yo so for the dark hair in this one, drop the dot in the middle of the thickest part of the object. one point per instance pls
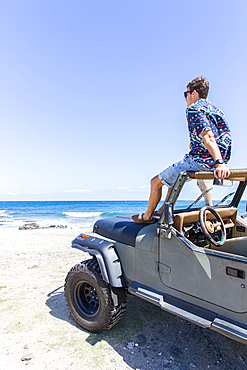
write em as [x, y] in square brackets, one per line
[201, 85]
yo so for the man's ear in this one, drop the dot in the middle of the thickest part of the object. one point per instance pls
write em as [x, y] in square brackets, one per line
[195, 94]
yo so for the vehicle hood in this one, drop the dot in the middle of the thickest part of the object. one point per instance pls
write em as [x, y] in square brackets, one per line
[121, 229]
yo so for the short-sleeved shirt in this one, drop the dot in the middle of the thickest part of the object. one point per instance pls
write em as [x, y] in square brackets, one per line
[203, 116]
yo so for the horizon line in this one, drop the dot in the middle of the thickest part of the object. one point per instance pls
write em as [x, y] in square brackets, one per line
[75, 200]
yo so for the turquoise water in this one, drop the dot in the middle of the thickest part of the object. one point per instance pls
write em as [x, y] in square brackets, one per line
[66, 213]
[70, 213]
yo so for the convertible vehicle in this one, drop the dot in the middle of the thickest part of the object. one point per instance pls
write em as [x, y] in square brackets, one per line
[192, 261]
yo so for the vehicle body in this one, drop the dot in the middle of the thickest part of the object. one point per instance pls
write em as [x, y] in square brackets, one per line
[188, 263]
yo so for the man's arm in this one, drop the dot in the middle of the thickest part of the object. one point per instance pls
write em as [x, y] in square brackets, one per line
[221, 170]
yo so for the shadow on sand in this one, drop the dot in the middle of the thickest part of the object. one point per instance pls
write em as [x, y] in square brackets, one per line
[149, 338]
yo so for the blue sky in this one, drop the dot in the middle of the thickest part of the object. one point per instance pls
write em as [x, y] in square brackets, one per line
[91, 91]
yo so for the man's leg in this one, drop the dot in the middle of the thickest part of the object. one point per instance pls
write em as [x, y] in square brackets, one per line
[161, 209]
[155, 196]
[171, 173]
[203, 186]
[169, 176]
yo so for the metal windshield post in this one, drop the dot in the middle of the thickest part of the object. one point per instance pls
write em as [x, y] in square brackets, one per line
[166, 219]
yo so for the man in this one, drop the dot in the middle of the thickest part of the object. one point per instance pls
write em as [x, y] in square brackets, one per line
[210, 146]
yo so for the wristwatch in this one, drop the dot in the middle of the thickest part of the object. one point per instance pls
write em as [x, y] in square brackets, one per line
[219, 161]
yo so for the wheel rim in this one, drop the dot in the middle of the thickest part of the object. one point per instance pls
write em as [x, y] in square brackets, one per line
[86, 298]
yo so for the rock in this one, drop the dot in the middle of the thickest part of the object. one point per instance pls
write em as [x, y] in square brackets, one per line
[192, 365]
[55, 227]
[27, 357]
[33, 225]
[29, 226]
[130, 345]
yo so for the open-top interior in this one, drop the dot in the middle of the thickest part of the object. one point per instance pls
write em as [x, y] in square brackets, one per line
[200, 189]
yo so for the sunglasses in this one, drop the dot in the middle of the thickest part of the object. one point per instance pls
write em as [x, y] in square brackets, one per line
[187, 92]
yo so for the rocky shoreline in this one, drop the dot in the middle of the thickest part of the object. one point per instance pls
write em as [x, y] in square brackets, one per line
[34, 225]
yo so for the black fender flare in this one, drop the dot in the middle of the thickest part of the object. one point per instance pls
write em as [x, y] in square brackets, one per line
[108, 260]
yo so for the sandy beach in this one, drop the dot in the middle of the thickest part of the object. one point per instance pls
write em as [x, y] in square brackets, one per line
[37, 330]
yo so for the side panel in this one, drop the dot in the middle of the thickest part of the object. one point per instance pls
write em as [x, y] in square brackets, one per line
[126, 255]
[138, 263]
[145, 239]
[146, 271]
[203, 274]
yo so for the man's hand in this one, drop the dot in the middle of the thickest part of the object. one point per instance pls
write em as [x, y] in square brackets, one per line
[221, 171]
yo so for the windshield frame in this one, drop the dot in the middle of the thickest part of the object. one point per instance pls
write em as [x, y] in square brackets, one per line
[184, 176]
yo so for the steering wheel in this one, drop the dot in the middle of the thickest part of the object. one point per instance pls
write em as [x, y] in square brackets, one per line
[209, 228]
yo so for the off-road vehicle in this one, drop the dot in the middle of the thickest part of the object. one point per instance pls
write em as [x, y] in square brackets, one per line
[192, 261]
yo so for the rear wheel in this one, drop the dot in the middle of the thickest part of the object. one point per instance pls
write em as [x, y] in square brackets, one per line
[93, 303]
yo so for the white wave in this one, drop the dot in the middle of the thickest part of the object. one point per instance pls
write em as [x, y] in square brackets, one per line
[3, 214]
[10, 223]
[82, 214]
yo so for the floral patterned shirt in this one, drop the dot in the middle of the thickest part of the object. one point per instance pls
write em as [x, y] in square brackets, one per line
[203, 116]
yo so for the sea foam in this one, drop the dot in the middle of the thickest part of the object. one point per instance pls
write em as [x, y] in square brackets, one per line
[82, 214]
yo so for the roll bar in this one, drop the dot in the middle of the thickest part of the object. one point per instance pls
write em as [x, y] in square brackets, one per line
[235, 174]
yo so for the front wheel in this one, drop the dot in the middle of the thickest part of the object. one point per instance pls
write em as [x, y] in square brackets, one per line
[93, 303]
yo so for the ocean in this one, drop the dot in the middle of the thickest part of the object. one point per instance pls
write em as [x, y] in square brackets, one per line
[72, 214]
[66, 213]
